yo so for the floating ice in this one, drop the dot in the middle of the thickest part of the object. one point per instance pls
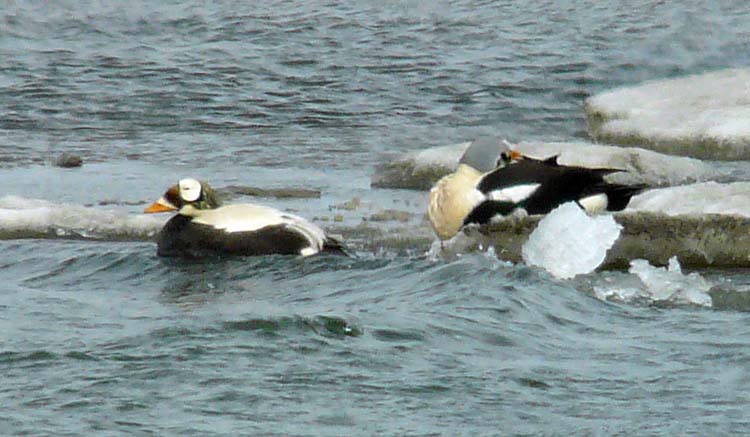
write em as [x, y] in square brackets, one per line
[420, 170]
[34, 218]
[670, 284]
[704, 116]
[568, 242]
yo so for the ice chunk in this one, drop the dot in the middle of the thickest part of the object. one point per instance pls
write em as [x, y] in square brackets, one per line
[705, 116]
[670, 284]
[569, 242]
[703, 198]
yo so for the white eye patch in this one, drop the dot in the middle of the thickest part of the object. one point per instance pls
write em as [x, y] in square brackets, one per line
[190, 189]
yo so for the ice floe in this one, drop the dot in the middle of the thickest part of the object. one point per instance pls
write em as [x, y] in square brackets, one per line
[703, 198]
[34, 218]
[420, 170]
[704, 116]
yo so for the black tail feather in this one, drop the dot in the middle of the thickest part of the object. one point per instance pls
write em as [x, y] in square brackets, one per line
[335, 247]
[618, 196]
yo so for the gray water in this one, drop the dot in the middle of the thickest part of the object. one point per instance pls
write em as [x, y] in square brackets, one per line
[101, 337]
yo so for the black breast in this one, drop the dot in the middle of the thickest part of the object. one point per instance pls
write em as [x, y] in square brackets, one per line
[182, 238]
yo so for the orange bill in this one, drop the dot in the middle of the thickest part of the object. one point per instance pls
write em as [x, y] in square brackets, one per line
[160, 205]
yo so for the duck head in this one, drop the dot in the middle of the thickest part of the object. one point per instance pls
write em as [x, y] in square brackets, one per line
[187, 192]
[487, 153]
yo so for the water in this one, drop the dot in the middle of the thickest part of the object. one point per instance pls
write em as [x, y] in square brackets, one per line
[99, 336]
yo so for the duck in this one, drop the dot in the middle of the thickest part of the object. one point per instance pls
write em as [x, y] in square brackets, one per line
[517, 185]
[454, 196]
[205, 227]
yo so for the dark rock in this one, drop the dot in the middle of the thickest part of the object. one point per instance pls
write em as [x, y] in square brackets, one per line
[68, 160]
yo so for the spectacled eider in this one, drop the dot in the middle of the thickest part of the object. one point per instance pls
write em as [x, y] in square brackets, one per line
[203, 227]
[518, 183]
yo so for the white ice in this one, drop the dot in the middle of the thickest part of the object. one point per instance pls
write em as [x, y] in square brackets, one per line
[704, 198]
[676, 115]
[669, 284]
[23, 215]
[568, 242]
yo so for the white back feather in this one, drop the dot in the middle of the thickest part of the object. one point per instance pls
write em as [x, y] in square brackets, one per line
[248, 218]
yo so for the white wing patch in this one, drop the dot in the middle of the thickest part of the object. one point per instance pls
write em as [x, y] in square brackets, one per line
[515, 194]
[474, 197]
[238, 218]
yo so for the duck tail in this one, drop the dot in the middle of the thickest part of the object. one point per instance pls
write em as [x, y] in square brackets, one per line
[335, 247]
[618, 196]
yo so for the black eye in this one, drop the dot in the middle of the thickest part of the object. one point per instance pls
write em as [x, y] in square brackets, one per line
[504, 158]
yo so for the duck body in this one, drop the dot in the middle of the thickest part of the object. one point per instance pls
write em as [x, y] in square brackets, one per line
[242, 229]
[539, 186]
[201, 229]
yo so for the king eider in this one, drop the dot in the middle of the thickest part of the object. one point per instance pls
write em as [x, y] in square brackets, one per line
[518, 184]
[454, 196]
[202, 227]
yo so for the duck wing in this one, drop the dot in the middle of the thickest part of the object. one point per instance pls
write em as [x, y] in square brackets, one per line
[539, 186]
[535, 171]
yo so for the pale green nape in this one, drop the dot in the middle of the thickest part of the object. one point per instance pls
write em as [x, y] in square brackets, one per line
[210, 199]
[198, 194]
